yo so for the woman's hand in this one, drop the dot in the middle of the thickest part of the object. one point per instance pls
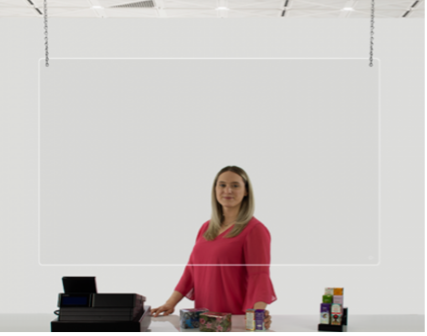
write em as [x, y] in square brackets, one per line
[166, 309]
[267, 319]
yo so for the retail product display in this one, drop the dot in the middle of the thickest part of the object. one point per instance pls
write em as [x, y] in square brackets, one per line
[333, 315]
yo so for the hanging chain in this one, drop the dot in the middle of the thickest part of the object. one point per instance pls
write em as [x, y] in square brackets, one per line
[45, 33]
[372, 34]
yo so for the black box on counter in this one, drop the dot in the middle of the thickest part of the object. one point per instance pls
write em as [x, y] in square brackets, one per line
[140, 324]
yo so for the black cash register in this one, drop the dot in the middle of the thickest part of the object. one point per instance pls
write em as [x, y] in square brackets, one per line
[81, 308]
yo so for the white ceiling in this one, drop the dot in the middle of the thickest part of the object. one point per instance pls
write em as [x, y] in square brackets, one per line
[214, 8]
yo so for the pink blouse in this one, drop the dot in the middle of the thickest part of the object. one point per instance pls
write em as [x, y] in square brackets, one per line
[229, 289]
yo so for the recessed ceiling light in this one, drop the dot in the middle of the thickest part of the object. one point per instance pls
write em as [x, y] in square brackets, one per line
[348, 9]
[97, 7]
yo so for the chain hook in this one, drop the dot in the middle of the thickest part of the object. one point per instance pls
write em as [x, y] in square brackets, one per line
[371, 53]
[45, 33]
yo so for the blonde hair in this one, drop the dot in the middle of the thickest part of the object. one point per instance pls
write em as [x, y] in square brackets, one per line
[246, 211]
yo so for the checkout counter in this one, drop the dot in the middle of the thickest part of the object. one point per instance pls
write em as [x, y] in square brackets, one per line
[281, 323]
[80, 306]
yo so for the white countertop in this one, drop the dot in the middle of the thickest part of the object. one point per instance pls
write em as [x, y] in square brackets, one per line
[282, 323]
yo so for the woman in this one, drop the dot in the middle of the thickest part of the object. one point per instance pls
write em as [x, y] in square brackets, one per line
[228, 270]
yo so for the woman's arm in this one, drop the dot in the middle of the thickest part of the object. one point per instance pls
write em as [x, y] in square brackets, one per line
[260, 305]
[175, 298]
[256, 248]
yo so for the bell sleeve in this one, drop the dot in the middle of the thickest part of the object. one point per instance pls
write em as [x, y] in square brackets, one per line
[186, 283]
[257, 251]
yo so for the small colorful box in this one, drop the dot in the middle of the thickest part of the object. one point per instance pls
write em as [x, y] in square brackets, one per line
[338, 299]
[325, 310]
[259, 319]
[250, 320]
[336, 319]
[327, 299]
[336, 308]
[329, 291]
[336, 314]
[338, 291]
[190, 317]
[213, 321]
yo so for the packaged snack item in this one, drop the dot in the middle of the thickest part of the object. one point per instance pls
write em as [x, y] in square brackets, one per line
[327, 299]
[213, 321]
[338, 299]
[336, 314]
[189, 318]
[329, 291]
[250, 319]
[259, 319]
[325, 312]
[338, 291]
[336, 308]
[336, 319]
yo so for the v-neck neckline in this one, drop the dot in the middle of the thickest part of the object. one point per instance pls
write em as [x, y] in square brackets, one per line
[225, 230]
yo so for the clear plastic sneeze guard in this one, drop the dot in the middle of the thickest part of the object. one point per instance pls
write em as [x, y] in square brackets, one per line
[129, 148]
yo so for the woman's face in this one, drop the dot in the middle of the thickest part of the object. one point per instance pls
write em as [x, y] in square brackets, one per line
[230, 189]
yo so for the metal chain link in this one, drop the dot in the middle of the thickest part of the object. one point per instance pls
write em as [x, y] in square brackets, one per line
[372, 34]
[45, 33]
[371, 53]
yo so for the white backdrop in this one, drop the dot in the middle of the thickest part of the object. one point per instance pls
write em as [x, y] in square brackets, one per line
[399, 46]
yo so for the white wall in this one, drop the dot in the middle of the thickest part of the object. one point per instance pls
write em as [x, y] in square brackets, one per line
[396, 286]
